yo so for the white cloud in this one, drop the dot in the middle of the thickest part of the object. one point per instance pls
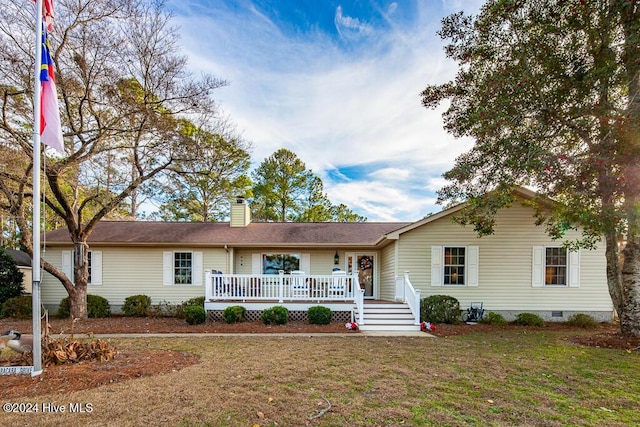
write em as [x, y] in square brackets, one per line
[350, 28]
[336, 108]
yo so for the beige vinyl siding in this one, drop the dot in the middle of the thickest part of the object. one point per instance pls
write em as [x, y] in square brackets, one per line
[388, 273]
[504, 265]
[131, 271]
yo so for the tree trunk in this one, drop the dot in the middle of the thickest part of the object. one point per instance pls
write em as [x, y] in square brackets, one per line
[78, 294]
[614, 278]
[78, 302]
[630, 304]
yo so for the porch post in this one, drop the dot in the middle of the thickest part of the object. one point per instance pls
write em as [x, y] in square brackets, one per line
[400, 288]
[280, 286]
[208, 294]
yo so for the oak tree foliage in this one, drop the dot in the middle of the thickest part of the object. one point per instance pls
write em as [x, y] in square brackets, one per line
[549, 90]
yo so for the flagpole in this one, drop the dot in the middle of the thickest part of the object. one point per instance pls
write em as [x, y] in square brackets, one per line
[35, 226]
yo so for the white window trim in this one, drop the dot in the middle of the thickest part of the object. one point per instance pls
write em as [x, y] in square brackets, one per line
[472, 256]
[168, 270]
[538, 266]
[257, 266]
[96, 267]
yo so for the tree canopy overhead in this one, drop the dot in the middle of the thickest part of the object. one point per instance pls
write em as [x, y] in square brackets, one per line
[200, 188]
[124, 91]
[284, 190]
[550, 92]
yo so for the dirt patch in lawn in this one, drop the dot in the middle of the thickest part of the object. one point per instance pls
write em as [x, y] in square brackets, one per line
[139, 363]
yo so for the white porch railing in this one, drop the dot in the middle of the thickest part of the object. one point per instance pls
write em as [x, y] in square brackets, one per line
[405, 292]
[282, 287]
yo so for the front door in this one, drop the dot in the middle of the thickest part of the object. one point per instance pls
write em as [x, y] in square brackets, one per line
[364, 265]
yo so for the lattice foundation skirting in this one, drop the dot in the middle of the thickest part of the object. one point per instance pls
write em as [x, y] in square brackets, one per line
[294, 316]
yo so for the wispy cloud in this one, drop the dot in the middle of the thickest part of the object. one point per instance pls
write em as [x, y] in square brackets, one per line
[342, 93]
[349, 27]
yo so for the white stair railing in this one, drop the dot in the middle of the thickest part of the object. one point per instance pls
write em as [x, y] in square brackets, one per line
[412, 298]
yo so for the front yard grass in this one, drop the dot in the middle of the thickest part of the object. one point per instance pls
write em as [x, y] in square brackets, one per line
[515, 377]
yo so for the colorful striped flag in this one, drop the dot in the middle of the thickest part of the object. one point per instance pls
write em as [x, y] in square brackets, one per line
[47, 13]
[50, 128]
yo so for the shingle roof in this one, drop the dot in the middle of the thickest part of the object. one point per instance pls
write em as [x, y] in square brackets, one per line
[220, 233]
[20, 258]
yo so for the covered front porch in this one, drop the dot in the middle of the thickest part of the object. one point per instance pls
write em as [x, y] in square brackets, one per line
[297, 291]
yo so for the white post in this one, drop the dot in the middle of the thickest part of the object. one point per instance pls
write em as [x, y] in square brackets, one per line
[280, 286]
[35, 226]
[208, 286]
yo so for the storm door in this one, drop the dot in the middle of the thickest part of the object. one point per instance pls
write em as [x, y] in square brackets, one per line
[364, 265]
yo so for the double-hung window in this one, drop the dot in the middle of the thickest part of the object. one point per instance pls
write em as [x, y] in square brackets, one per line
[454, 262]
[94, 266]
[555, 266]
[454, 265]
[555, 271]
[182, 268]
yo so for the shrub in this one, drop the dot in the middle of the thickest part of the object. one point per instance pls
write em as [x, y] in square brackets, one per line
[440, 309]
[528, 319]
[17, 307]
[97, 306]
[194, 314]
[197, 301]
[582, 320]
[234, 314]
[64, 309]
[277, 315]
[137, 306]
[10, 277]
[495, 319]
[319, 315]
[164, 309]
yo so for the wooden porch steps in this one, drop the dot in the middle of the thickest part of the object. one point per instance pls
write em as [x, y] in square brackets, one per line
[388, 317]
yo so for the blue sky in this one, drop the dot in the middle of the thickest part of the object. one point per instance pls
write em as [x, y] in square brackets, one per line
[338, 83]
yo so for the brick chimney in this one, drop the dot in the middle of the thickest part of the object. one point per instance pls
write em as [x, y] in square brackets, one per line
[239, 215]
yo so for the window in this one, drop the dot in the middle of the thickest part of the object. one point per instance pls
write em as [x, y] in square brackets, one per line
[555, 267]
[183, 268]
[94, 266]
[454, 261]
[273, 263]
[454, 265]
[89, 266]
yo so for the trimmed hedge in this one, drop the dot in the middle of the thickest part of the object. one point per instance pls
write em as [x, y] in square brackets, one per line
[137, 306]
[495, 319]
[97, 306]
[194, 314]
[440, 309]
[582, 320]
[234, 314]
[17, 307]
[528, 319]
[319, 315]
[277, 315]
[195, 301]
[10, 277]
